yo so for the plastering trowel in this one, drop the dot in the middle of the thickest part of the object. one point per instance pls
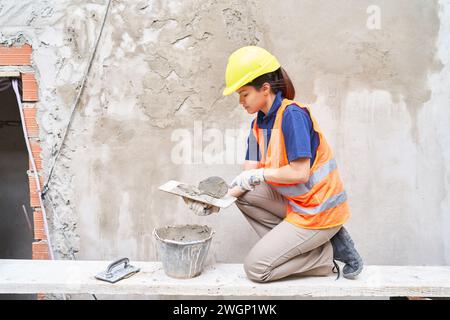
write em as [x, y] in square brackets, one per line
[212, 191]
[118, 270]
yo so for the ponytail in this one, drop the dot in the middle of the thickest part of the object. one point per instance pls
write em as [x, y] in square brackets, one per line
[288, 88]
[278, 80]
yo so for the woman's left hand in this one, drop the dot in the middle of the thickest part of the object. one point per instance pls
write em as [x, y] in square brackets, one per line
[248, 179]
[200, 208]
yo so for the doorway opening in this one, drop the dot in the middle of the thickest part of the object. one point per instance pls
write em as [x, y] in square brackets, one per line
[16, 226]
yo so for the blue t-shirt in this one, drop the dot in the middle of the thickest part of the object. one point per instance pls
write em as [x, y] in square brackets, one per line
[299, 136]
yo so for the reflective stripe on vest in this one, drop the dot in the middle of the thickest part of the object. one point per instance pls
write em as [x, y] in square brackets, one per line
[316, 177]
[332, 202]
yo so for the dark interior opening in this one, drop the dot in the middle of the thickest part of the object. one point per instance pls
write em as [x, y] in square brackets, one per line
[16, 224]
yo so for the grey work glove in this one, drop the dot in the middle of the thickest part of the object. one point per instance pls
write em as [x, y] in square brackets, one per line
[248, 179]
[200, 208]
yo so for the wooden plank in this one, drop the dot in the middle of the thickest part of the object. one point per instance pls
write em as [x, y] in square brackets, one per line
[77, 277]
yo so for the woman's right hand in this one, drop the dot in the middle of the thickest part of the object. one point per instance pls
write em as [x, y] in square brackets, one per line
[200, 208]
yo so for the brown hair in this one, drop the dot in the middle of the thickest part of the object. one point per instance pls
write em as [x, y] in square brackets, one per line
[278, 80]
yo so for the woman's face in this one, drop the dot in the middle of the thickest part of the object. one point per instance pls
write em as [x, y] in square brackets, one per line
[252, 99]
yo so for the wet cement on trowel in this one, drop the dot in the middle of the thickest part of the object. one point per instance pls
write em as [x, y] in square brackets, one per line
[212, 186]
[186, 233]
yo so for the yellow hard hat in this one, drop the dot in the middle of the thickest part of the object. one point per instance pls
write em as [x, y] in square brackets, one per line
[247, 64]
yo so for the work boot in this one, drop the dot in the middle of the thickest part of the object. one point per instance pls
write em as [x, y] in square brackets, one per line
[344, 251]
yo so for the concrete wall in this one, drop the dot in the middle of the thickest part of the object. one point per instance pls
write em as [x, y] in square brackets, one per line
[375, 72]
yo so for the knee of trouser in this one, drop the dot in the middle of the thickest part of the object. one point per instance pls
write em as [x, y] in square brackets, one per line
[243, 199]
[255, 197]
[240, 203]
[254, 270]
[246, 199]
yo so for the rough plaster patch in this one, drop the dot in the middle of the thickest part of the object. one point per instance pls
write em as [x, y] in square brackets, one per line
[11, 10]
[171, 24]
[175, 6]
[18, 39]
[127, 44]
[240, 25]
[149, 35]
[81, 26]
[335, 45]
[51, 36]
[141, 209]
[181, 43]
[173, 76]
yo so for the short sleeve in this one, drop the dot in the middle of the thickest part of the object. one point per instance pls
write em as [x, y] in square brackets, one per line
[297, 128]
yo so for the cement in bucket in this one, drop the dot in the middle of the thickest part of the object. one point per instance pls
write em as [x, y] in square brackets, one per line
[183, 249]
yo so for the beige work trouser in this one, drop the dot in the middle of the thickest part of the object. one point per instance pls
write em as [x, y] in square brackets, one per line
[284, 249]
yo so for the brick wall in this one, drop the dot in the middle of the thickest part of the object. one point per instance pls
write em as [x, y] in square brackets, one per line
[21, 56]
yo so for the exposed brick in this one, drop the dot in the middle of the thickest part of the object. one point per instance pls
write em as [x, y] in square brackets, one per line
[34, 197]
[15, 56]
[36, 151]
[39, 230]
[30, 122]
[40, 256]
[39, 234]
[40, 250]
[40, 246]
[29, 87]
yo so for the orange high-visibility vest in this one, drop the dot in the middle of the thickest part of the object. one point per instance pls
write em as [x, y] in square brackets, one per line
[319, 203]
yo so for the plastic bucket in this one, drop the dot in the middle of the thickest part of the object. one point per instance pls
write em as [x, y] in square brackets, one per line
[183, 249]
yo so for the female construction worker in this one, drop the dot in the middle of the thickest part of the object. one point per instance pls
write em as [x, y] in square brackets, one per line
[290, 190]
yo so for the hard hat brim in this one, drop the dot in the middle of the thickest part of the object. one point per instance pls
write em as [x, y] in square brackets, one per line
[270, 66]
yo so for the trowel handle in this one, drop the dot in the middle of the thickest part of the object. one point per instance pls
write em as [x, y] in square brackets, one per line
[116, 263]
